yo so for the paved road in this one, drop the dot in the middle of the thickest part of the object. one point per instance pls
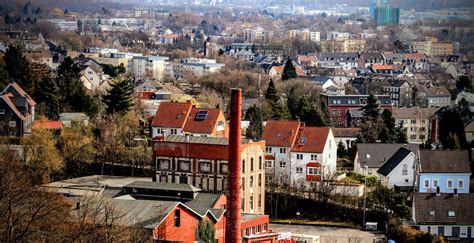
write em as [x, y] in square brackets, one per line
[330, 234]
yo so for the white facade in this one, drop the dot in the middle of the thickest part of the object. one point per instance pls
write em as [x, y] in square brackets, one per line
[465, 231]
[152, 67]
[401, 176]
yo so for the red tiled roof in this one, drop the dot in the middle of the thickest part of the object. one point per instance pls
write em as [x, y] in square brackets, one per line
[345, 131]
[46, 124]
[306, 58]
[279, 70]
[171, 114]
[281, 133]
[417, 56]
[205, 126]
[315, 140]
[382, 66]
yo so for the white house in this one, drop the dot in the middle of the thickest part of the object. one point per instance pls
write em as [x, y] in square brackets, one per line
[399, 170]
[302, 156]
[152, 67]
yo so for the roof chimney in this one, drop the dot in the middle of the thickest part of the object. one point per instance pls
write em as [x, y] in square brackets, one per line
[234, 171]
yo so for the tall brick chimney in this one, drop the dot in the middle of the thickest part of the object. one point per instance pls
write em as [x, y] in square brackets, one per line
[232, 234]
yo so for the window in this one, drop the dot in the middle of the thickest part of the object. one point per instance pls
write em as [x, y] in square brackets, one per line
[313, 171]
[251, 204]
[260, 163]
[435, 183]
[330, 142]
[259, 201]
[451, 213]
[450, 183]
[299, 170]
[268, 150]
[163, 164]
[426, 183]
[2, 111]
[12, 134]
[455, 231]
[251, 164]
[405, 169]
[243, 166]
[282, 150]
[413, 121]
[183, 166]
[441, 230]
[177, 218]
[12, 123]
[282, 164]
[269, 163]
[259, 179]
[205, 167]
[460, 184]
[299, 156]
[251, 181]
[173, 131]
[243, 184]
[223, 168]
[314, 157]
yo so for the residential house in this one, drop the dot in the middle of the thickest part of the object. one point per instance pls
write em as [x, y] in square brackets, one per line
[399, 90]
[418, 61]
[341, 76]
[367, 59]
[399, 170]
[173, 118]
[438, 96]
[445, 215]
[469, 130]
[344, 60]
[432, 47]
[346, 136]
[384, 69]
[17, 111]
[375, 155]
[202, 162]
[347, 45]
[277, 71]
[443, 171]
[354, 118]
[200, 66]
[418, 122]
[305, 35]
[306, 60]
[151, 67]
[298, 155]
[338, 106]
[41, 56]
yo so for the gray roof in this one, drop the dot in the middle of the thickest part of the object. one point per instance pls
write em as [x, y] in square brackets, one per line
[200, 140]
[444, 161]
[432, 209]
[338, 56]
[374, 155]
[394, 161]
[143, 213]
[163, 186]
[203, 201]
[356, 113]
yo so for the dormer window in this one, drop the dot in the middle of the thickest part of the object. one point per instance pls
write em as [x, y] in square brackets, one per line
[451, 214]
[432, 213]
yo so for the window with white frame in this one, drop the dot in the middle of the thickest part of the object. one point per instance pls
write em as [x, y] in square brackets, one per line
[435, 183]
[2, 111]
[449, 183]
[461, 184]
[12, 123]
[269, 163]
[282, 164]
[313, 171]
[282, 150]
[174, 131]
[268, 150]
[426, 183]
[405, 169]
[314, 157]
[299, 170]
[299, 156]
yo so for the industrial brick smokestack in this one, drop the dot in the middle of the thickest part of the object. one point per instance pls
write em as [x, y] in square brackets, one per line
[232, 234]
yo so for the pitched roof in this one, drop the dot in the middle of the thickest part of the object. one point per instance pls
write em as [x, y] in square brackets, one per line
[346, 131]
[374, 155]
[46, 124]
[21, 92]
[469, 127]
[171, 114]
[202, 126]
[438, 91]
[281, 133]
[382, 66]
[312, 140]
[306, 58]
[200, 140]
[416, 56]
[394, 161]
[432, 209]
[413, 112]
[279, 70]
[163, 186]
[444, 161]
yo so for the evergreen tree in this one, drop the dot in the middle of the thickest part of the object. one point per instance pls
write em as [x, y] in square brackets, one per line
[255, 128]
[119, 97]
[387, 133]
[401, 134]
[325, 113]
[371, 109]
[451, 122]
[308, 113]
[293, 103]
[271, 93]
[205, 231]
[68, 80]
[451, 142]
[17, 67]
[289, 71]
[46, 96]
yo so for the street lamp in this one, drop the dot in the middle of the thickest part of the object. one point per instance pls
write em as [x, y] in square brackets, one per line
[365, 196]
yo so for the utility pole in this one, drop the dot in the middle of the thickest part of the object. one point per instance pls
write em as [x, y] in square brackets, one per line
[365, 195]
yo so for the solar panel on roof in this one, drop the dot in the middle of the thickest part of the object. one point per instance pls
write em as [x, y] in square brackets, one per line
[201, 115]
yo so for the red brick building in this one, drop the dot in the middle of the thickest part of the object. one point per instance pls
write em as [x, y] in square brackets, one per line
[202, 162]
